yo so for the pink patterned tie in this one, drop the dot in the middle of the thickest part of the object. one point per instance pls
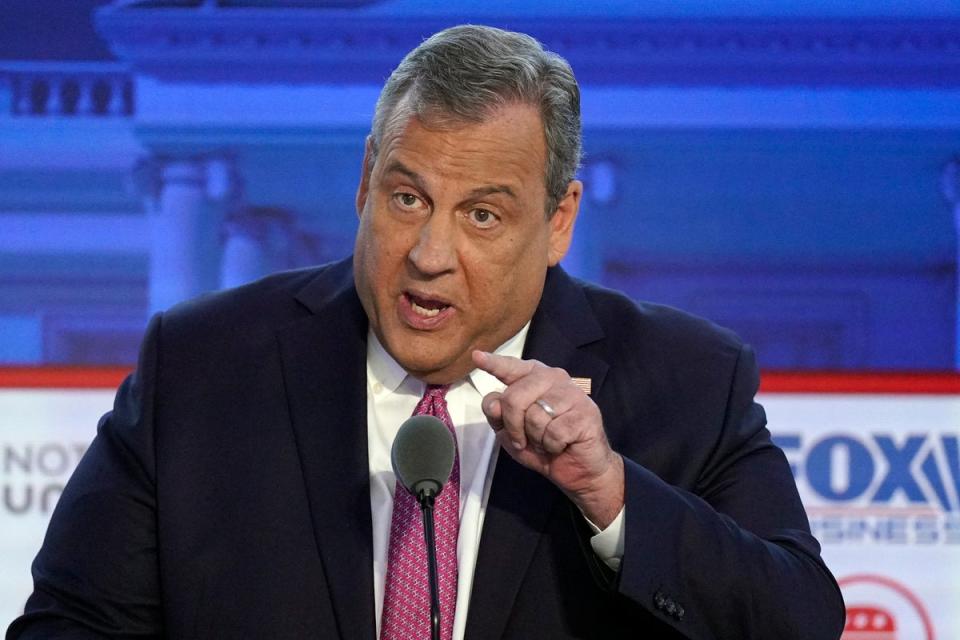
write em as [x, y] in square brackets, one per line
[406, 600]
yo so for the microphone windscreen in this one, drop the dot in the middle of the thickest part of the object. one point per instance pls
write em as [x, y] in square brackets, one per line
[422, 454]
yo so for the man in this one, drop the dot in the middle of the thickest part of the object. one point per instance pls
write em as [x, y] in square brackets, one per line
[616, 478]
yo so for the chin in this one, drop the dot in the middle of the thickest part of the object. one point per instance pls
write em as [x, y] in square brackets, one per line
[428, 368]
[422, 367]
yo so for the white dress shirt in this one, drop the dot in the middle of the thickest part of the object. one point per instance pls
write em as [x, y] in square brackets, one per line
[392, 396]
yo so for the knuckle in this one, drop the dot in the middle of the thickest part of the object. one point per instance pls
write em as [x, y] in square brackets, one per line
[561, 378]
[509, 403]
[534, 365]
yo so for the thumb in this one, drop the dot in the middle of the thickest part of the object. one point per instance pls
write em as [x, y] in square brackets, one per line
[492, 410]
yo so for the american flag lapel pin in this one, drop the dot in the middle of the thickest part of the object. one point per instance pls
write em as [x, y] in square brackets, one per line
[583, 383]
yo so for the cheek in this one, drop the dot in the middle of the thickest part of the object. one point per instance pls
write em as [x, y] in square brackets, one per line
[523, 270]
[382, 248]
[370, 259]
[522, 253]
[365, 248]
[363, 270]
[498, 281]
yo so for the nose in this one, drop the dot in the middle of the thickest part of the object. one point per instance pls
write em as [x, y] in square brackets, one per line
[435, 250]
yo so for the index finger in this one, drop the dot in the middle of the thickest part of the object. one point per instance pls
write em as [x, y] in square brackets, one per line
[506, 369]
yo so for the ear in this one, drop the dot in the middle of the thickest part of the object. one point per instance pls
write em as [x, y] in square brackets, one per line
[561, 224]
[365, 170]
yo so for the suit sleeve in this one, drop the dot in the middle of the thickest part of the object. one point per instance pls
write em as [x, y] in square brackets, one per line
[96, 574]
[734, 558]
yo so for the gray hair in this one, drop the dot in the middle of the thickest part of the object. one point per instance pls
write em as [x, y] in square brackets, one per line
[464, 73]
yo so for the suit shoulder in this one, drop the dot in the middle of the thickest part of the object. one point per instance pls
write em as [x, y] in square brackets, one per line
[657, 328]
[260, 305]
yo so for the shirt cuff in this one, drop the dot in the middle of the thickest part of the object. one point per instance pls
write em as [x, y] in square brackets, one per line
[608, 544]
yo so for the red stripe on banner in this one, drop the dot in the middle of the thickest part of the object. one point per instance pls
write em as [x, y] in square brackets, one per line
[860, 382]
[62, 377]
[771, 381]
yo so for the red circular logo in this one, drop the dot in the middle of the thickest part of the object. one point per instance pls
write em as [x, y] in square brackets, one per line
[879, 608]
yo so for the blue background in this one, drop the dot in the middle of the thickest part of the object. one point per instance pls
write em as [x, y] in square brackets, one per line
[782, 168]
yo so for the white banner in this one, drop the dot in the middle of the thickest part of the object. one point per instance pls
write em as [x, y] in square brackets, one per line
[43, 434]
[879, 475]
[880, 478]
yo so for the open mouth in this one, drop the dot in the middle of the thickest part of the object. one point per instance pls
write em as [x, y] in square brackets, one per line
[426, 307]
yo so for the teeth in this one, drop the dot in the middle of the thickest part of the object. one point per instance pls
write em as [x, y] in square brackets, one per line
[423, 311]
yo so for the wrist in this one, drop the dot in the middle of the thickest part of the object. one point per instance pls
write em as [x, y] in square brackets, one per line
[602, 502]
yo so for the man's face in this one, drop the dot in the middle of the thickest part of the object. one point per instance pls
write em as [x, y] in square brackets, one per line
[453, 243]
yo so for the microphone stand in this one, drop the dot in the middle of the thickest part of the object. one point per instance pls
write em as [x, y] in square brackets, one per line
[425, 498]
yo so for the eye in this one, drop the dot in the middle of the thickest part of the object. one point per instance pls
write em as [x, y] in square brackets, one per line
[407, 200]
[482, 218]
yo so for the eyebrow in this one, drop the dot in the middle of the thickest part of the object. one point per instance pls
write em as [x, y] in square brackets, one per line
[494, 188]
[398, 167]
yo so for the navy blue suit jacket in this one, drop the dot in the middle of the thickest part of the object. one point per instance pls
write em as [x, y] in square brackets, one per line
[227, 493]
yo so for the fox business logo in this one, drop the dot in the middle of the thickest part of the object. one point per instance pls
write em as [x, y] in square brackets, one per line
[878, 488]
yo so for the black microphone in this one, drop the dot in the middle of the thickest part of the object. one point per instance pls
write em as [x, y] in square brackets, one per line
[422, 457]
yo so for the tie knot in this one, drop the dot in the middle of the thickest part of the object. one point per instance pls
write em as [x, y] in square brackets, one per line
[434, 403]
[436, 391]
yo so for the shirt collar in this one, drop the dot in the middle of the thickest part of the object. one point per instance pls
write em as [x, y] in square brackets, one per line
[383, 369]
[485, 383]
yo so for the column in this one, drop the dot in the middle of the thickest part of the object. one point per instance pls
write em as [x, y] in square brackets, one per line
[250, 244]
[185, 216]
[950, 183]
[115, 105]
[55, 106]
[85, 105]
[24, 96]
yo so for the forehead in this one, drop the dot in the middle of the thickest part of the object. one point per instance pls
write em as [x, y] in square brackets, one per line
[508, 145]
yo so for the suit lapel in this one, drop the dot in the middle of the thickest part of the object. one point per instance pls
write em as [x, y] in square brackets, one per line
[324, 365]
[521, 501]
[326, 388]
